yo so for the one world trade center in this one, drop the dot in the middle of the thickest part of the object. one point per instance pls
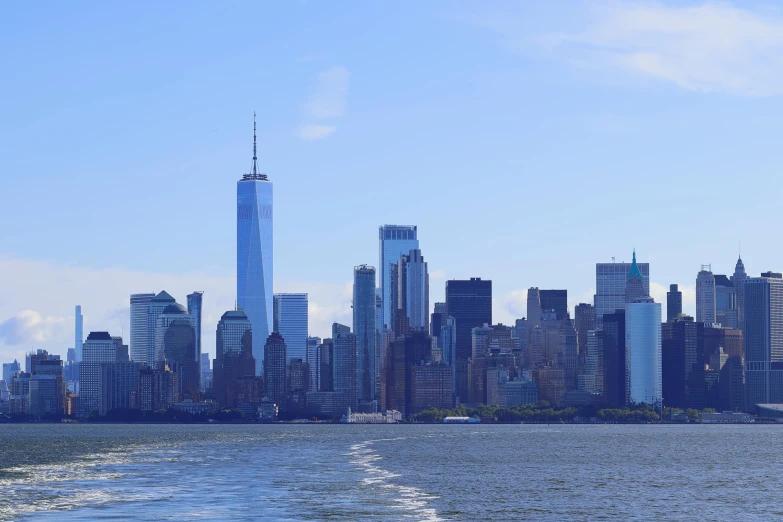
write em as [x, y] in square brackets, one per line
[254, 254]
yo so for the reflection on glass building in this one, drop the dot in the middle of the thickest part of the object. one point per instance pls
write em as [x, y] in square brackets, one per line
[254, 254]
[393, 241]
[643, 351]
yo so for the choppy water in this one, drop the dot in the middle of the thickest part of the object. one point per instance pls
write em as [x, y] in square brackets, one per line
[365, 472]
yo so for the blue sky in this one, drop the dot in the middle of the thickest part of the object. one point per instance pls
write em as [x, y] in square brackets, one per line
[528, 141]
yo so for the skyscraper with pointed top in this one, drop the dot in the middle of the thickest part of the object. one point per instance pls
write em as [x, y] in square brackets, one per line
[254, 253]
[739, 279]
[634, 284]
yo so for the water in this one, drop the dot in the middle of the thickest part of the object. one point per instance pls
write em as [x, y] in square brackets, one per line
[366, 472]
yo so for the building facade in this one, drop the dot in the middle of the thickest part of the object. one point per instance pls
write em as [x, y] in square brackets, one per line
[705, 296]
[610, 283]
[276, 369]
[413, 290]
[643, 352]
[139, 308]
[291, 321]
[673, 302]
[365, 332]
[763, 337]
[393, 241]
[738, 279]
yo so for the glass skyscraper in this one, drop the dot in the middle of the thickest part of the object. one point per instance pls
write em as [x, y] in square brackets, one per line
[78, 333]
[254, 254]
[364, 329]
[393, 241]
[291, 322]
[610, 282]
[194, 309]
[763, 335]
[156, 306]
[643, 351]
[139, 307]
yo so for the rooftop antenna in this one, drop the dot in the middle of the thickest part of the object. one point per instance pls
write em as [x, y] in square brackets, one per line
[254, 169]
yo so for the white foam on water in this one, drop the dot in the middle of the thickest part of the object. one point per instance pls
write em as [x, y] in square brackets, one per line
[411, 500]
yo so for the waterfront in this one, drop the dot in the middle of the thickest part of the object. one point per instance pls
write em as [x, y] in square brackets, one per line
[377, 472]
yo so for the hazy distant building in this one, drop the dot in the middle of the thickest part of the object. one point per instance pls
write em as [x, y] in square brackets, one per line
[344, 363]
[610, 286]
[430, 387]
[673, 302]
[292, 323]
[139, 308]
[413, 290]
[298, 376]
[234, 359]
[79, 333]
[556, 300]
[194, 309]
[738, 279]
[157, 304]
[682, 356]
[98, 348]
[763, 336]
[705, 296]
[469, 302]
[255, 254]
[175, 343]
[725, 302]
[206, 372]
[643, 351]
[533, 307]
[365, 332]
[9, 369]
[326, 372]
[314, 363]
[584, 321]
[275, 369]
[393, 241]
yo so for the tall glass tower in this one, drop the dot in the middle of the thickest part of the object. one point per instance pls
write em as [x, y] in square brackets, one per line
[364, 329]
[290, 313]
[393, 241]
[79, 325]
[254, 254]
[139, 308]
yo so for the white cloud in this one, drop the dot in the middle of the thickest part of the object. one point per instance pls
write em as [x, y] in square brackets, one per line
[326, 103]
[710, 47]
[38, 298]
[438, 274]
[312, 132]
[331, 91]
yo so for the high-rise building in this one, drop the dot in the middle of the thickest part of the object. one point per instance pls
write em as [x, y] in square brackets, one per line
[533, 307]
[705, 296]
[325, 357]
[438, 320]
[79, 333]
[393, 241]
[139, 308]
[194, 309]
[584, 321]
[234, 359]
[98, 348]
[275, 369]
[643, 351]
[157, 304]
[738, 279]
[725, 302]
[291, 322]
[673, 303]
[634, 283]
[469, 302]
[298, 375]
[119, 382]
[254, 254]
[413, 290]
[556, 300]
[175, 343]
[314, 363]
[411, 349]
[682, 360]
[206, 372]
[344, 363]
[9, 369]
[610, 286]
[763, 336]
[364, 329]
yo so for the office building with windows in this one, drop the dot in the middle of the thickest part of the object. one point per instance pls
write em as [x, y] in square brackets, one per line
[364, 330]
[705, 296]
[643, 351]
[763, 336]
[291, 322]
[393, 241]
[139, 308]
[610, 286]
[673, 303]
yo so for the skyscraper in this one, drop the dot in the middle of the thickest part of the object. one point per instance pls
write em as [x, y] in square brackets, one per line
[705, 296]
[98, 348]
[254, 253]
[275, 369]
[634, 283]
[643, 351]
[364, 329]
[233, 356]
[314, 362]
[682, 360]
[156, 306]
[344, 356]
[413, 289]
[139, 308]
[725, 302]
[393, 241]
[673, 302]
[556, 300]
[610, 282]
[78, 330]
[584, 321]
[194, 309]
[175, 343]
[469, 302]
[291, 322]
[739, 279]
[763, 335]
[533, 307]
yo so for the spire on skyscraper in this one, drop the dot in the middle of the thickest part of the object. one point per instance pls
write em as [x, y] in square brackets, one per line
[254, 174]
[634, 270]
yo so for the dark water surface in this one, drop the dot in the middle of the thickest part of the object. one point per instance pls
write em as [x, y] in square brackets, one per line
[366, 472]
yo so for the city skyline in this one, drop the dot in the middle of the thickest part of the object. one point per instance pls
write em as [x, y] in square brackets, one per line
[545, 135]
